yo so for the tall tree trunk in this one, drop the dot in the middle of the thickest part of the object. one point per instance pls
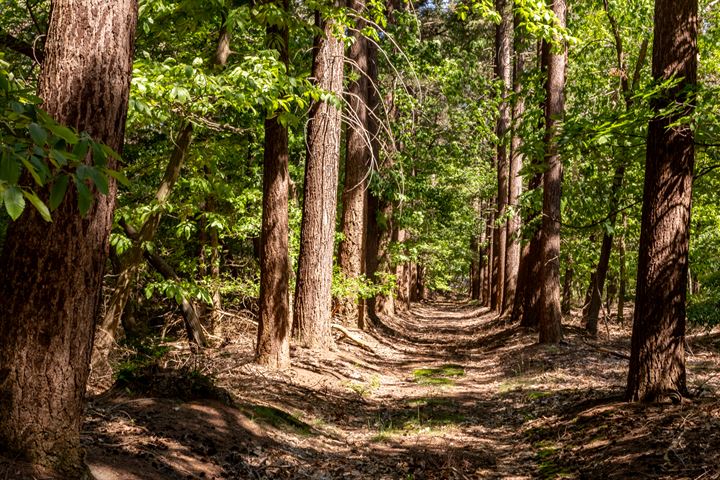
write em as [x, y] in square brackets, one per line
[357, 163]
[657, 355]
[52, 272]
[526, 307]
[475, 267]
[487, 274]
[622, 292]
[493, 259]
[567, 287]
[512, 253]
[273, 340]
[550, 314]
[133, 258]
[503, 72]
[313, 298]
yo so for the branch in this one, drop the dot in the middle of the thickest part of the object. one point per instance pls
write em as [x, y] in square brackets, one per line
[21, 47]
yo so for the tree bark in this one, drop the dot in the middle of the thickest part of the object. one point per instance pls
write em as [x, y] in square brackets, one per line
[313, 298]
[357, 163]
[273, 340]
[503, 72]
[512, 253]
[657, 355]
[550, 314]
[566, 305]
[52, 272]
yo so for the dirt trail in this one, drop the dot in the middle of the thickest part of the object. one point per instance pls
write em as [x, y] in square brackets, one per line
[449, 392]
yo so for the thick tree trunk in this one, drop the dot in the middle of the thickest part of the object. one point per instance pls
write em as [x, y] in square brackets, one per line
[273, 340]
[503, 72]
[512, 253]
[52, 272]
[657, 355]
[550, 312]
[357, 163]
[133, 258]
[313, 298]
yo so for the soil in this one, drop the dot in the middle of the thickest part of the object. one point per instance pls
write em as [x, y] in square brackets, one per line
[449, 392]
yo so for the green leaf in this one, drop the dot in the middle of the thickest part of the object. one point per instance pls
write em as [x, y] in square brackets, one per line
[57, 193]
[63, 132]
[37, 133]
[117, 175]
[30, 168]
[99, 180]
[9, 168]
[39, 205]
[84, 197]
[14, 202]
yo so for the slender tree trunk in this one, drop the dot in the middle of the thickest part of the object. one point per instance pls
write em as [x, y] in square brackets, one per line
[567, 287]
[52, 272]
[475, 267]
[273, 340]
[190, 311]
[313, 298]
[657, 355]
[550, 313]
[623, 274]
[357, 163]
[133, 259]
[512, 253]
[493, 258]
[503, 72]
[487, 275]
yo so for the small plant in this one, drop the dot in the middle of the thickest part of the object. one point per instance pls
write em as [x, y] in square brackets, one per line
[442, 375]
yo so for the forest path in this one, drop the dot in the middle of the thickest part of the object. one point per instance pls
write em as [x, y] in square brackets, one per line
[450, 392]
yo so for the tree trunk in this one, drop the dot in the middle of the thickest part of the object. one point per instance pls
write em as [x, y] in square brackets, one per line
[273, 340]
[133, 258]
[52, 272]
[475, 267]
[550, 313]
[357, 163]
[487, 274]
[493, 259]
[512, 253]
[622, 292]
[526, 308]
[503, 72]
[190, 311]
[313, 298]
[567, 287]
[657, 355]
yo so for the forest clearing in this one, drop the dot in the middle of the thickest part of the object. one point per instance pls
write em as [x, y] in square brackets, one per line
[364, 239]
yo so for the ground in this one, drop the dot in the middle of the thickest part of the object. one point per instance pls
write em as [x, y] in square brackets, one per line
[449, 391]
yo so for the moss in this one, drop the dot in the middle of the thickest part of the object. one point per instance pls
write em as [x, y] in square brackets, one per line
[442, 375]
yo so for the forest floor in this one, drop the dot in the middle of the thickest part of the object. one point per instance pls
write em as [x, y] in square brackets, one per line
[449, 391]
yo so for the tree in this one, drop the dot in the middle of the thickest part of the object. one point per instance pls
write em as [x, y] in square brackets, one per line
[313, 299]
[273, 344]
[503, 71]
[351, 253]
[550, 313]
[52, 273]
[657, 356]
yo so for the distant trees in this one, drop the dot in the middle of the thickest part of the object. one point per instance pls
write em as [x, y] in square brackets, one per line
[53, 272]
[657, 358]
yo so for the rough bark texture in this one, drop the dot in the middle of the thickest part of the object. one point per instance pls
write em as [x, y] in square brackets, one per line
[512, 252]
[273, 341]
[657, 356]
[52, 272]
[503, 72]
[133, 258]
[313, 299]
[550, 313]
[357, 164]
